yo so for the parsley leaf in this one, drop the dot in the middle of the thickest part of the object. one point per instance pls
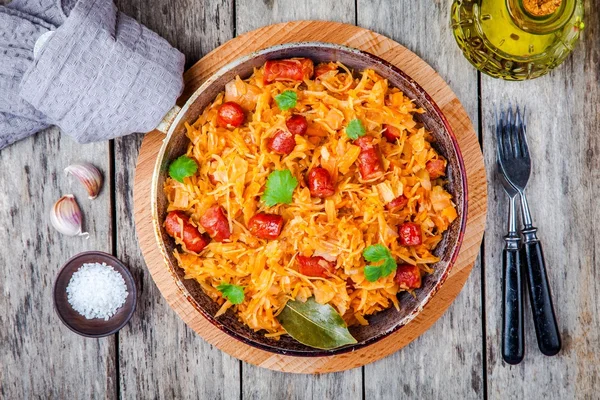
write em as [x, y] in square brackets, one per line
[280, 187]
[182, 168]
[388, 266]
[286, 100]
[376, 253]
[372, 273]
[355, 129]
[233, 293]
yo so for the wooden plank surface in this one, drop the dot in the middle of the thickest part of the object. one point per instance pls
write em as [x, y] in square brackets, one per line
[159, 356]
[563, 130]
[259, 383]
[39, 356]
[456, 338]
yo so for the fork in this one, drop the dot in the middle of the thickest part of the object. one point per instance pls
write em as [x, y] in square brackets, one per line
[513, 345]
[514, 162]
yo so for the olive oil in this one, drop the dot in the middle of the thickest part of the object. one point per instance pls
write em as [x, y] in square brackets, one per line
[501, 39]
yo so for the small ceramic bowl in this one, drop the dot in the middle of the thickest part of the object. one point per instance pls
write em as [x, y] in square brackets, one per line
[76, 322]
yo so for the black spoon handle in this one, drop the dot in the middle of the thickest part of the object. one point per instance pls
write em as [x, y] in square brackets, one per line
[544, 319]
[512, 329]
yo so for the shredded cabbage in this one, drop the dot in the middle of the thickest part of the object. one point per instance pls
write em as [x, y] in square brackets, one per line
[234, 166]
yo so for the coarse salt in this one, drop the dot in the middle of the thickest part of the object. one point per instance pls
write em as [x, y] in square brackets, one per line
[96, 291]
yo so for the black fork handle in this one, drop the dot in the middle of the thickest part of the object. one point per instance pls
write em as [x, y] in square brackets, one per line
[544, 319]
[513, 343]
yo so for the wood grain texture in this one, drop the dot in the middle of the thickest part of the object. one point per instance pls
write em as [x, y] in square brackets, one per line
[159, 356]
[194, 27]
[467, 139]
[40, 357]
[252, 14]
[563, 126]
[452, 340]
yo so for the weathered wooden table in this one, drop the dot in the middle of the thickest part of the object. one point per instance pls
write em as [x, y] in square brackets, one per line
[157, 356]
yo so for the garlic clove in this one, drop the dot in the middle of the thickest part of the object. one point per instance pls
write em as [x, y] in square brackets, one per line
[88, 175]
[66, 216]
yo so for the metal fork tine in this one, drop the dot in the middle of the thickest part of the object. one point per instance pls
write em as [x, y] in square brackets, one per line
[514, 133]
[506, 131]
[523, 136]
[518, 138]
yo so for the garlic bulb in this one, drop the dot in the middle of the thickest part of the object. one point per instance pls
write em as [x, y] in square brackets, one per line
[88, 175]
[66, 216]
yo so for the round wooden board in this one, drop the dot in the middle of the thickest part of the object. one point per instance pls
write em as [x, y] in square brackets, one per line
[353, 36]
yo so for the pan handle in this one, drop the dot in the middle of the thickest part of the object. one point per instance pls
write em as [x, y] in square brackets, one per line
[168, 119]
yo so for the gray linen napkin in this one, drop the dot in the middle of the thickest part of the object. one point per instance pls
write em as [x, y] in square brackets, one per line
[18, 33]
[52, 11]
[99, 75]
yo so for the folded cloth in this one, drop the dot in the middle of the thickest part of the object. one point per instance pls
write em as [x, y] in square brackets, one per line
[52, 11]
[99, 75]
[18, 35]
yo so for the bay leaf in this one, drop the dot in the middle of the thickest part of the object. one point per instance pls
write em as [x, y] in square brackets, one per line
[315, 325]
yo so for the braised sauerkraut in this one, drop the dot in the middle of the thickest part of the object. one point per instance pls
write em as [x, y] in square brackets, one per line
[234, 164]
